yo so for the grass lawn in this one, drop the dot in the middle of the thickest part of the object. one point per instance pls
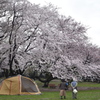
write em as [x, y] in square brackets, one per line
[80, 84]
[82, 95]
[88, 84]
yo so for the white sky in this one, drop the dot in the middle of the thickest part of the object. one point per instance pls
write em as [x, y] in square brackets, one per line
[85, 11]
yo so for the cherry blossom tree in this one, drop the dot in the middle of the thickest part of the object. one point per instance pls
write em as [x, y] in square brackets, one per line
[23, 23]
[11, 26]
[41, 38]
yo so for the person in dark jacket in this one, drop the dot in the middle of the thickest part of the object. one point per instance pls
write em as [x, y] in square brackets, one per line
[63, 87]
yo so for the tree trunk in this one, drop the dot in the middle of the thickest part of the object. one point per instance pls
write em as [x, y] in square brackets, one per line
[46, 84]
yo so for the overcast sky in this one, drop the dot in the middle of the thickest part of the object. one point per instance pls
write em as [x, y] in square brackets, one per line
[85, 11]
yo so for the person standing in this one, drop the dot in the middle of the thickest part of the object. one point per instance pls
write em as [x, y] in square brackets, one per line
[63, 87]
[74, 89]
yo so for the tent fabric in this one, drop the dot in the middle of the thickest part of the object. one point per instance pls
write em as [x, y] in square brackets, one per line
[19, 85]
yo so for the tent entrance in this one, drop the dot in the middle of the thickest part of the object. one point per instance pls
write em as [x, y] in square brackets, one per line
[28, 85]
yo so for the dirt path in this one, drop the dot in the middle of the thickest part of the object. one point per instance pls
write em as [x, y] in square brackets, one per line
[79, 88]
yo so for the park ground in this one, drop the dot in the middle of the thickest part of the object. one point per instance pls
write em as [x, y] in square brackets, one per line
[86, 91]
[54, 95]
